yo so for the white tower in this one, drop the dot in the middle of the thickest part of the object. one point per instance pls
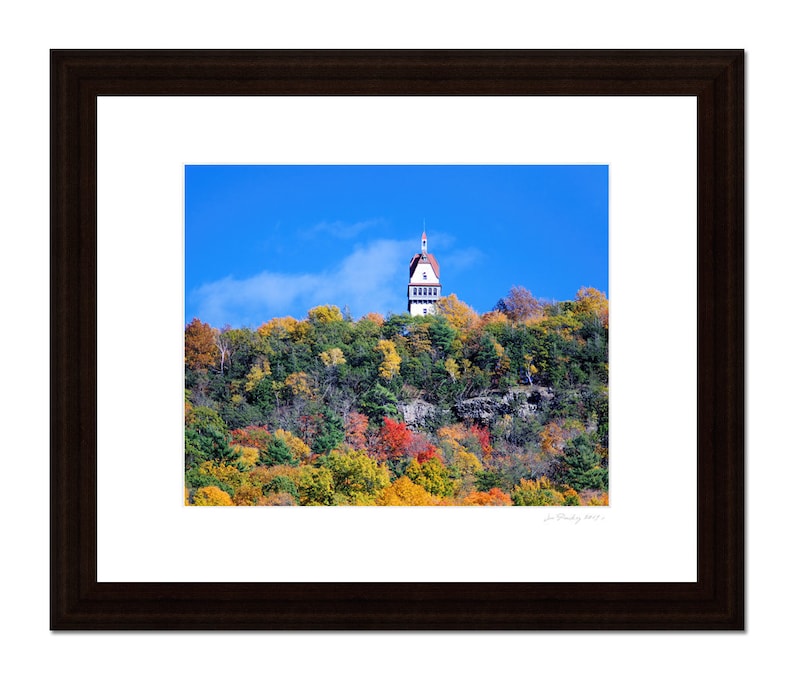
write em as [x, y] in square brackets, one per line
[424, 285]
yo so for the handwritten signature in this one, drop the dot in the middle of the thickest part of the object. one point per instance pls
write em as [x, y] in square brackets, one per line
[573, 518]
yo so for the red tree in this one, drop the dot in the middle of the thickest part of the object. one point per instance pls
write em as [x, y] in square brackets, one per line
[251, 436]
[393, 440]
[483, 436]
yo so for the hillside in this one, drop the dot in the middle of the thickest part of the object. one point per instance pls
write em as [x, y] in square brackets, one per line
[505, 408]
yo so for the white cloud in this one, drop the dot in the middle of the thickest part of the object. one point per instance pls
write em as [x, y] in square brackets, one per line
[372, 278]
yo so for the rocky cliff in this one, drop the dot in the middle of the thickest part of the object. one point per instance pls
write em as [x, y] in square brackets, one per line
[484, 409]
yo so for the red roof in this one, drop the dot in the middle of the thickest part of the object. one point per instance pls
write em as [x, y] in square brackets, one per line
[417, 258]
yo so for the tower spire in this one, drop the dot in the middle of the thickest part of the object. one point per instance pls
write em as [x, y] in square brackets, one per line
[424, 286]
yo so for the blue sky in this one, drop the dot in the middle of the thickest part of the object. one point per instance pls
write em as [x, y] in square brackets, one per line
[265, 241]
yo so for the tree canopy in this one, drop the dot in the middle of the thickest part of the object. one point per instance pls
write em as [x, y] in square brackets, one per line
[456, 408]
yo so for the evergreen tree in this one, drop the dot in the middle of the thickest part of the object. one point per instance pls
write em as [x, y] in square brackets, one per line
[278, 453]
[581, 467]
[378, 403]
[330, 433]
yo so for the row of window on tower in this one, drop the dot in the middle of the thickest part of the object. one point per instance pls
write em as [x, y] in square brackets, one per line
[430, 291]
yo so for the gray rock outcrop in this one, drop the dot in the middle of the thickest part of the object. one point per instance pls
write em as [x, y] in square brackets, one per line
[417, 413]
[522, 403]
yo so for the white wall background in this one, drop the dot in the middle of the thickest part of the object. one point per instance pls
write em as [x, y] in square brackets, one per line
[32, 653]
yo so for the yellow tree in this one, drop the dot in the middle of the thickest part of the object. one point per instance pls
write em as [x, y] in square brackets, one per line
[211, 496]
[391, 359]
[298, 385]
[536, 493]
[452, 368]
[225, 474]
[332, 357]
[432, 475]
[358, 479]
[286, 326]
[403, 492]
[325, 314]
[592, 301]
[529, 366]
[458, 314]
[248, 456]
[465, 462]
[257, 374]
[502, 366]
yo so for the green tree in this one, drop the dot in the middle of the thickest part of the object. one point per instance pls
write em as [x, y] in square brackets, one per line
[487, 354]
[262, 394]
[486, 480]
[279, 484]
[278, 453]
[581, 465]
[206, 438]
[397, 325]
[441, 335]
[378, 403]
[330, 432]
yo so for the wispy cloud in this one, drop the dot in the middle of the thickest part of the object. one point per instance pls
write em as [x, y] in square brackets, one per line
[371, 278]
[343, 230]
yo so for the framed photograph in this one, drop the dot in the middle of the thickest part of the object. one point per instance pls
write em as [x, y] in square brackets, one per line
[327, 364]
[154, 157]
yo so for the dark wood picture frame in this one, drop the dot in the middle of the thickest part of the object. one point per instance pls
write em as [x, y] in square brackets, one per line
[714, 601]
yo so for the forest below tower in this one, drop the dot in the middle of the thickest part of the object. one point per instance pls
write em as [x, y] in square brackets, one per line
[509, 407]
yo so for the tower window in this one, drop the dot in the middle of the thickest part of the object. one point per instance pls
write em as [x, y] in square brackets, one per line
[424, 275]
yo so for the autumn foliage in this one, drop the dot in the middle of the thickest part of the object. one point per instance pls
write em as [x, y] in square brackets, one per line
[392, 441]
[508, 408]
[200, 349]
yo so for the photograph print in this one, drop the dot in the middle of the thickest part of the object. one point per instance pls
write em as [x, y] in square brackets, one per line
[396, 335]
